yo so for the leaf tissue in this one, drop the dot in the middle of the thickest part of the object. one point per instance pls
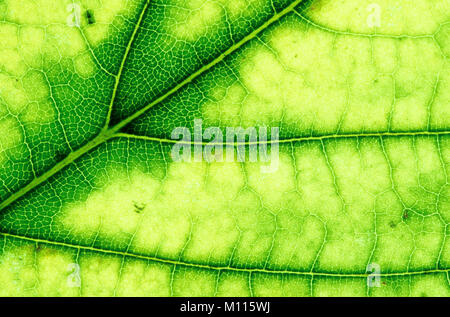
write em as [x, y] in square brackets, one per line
[334, 183]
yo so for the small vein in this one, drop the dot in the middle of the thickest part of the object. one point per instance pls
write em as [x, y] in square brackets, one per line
[122, 63]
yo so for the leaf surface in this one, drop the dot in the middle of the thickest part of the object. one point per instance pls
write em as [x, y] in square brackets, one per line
[93, 204]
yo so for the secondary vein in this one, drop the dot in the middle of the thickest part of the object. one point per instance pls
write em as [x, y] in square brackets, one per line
[212, 267]
[122, 63]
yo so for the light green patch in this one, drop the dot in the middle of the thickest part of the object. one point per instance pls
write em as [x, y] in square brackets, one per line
[84, 66]
[415, 83]
[282, 286]
[432, 286]
[113, 210]
[443, 38]
[401, 17]
[8, 35]
[64, 40]
[18, 271]
[348, 287]
[55, 268]
[39, 112]
[144, 279]
[99, 275]
[256, 229]
[272, 187]
[31, 268]
[309, 78]
[192, 282]
[316, 184]
[428, 242]
[196, 18]
[104, 14]
[11, 141]
[438, 108]
[31, 44]
[33, 83]
[12, 94]
[14, 136]
[139, 206]
[232, 284]
[225, 106]
[298, 240]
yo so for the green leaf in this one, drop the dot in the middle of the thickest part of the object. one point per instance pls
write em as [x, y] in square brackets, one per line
[92, 203]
